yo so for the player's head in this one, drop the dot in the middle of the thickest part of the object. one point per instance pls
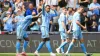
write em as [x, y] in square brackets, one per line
[94, 1]
[64, 10]
[70, 9]
[47, 8]
[80, 9]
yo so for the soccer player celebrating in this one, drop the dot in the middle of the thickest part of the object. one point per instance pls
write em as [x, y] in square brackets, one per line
[21, 33]
[63, 30]
[46, 17]
[76, 27]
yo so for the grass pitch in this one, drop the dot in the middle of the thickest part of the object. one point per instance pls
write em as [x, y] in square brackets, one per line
[47, 54]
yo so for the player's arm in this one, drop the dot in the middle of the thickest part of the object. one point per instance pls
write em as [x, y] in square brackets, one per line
[37, 15]
[55, 12]
[64, 26]
[70, 28]
[80, 24]
[43, 8]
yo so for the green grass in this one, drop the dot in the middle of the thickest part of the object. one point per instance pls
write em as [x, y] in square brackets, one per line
[47, 54]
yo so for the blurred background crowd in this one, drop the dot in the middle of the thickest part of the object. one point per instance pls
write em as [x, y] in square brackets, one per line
[12, 13]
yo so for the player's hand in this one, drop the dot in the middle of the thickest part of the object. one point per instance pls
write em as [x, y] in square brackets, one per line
[84, 28]
[12, 16]
[68, 31]
[9, 16]
[44, 1]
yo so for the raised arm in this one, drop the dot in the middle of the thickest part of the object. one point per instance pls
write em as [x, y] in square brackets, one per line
[37, 15]
[43, 9]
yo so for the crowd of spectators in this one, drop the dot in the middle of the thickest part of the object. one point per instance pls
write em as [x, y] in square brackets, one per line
[12, 13]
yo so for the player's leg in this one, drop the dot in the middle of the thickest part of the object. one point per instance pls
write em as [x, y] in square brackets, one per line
[71, 45]
[75, 37]
[18, 47]
[62, 40]
[48, 45]
[25, 44]
[26, 40]
[19, 38]
[43, 41]
[65, 40]
[62, 48]
[83, 46]
[40, 45]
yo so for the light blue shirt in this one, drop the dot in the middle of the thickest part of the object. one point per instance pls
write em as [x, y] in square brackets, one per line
[26, 22]
[20, 18]
[8, 26]
[76, 17]
[61, 19]
[46, 17]
[95, 11]
[70, 17]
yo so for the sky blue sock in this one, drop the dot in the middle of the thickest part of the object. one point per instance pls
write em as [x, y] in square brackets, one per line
[48, 46]
[17, 46]
[40, 46]
[83, 48]
[70, 47]
[25, 46]
[62, 49]
[63, 44]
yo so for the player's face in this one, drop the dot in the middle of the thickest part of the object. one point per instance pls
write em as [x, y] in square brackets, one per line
[81, 10]
[94, 1]
[65, 11]
[47, 9]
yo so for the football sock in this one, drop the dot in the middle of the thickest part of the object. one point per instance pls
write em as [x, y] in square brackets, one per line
[40, 46]
[25, 46]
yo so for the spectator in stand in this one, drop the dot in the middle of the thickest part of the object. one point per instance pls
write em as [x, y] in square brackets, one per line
[94, 26]
[8, 22]
[95, 7]
[62, 3]
[30, 10]
[0, 8]
[6, 5]
[4, 13]
[18, 3]
[39, 7]
[13, 4]
[51, 2]
[84, 3]
[73, 4]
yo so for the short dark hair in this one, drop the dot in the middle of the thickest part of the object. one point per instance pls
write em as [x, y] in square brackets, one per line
[47, 6]
[81, 7]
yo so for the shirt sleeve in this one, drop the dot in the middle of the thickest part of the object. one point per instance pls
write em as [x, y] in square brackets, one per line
[29, 17]
[54, 14]
[43, 9]
[62, 18]
[78, 18]
[90, 6]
